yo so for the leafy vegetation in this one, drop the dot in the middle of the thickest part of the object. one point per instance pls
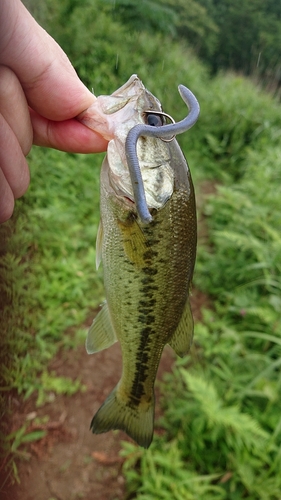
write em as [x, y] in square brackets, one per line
[222, 403]
[243, 36]
[222, 410]
[60, 218]
[48, 279]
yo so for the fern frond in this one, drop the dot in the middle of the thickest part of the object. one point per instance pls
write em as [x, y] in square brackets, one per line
[240, 429]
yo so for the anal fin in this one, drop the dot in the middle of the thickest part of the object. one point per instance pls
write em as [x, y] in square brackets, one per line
[182, 337]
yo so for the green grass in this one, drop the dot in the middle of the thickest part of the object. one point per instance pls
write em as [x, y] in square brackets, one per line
[222, 404]
[49, 284]
[59, 221]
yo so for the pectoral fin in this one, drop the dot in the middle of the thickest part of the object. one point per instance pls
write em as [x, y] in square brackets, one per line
[134, 243]
[182, 338]
[101, 334]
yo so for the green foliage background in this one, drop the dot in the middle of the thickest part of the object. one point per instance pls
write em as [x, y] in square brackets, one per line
[222, 403]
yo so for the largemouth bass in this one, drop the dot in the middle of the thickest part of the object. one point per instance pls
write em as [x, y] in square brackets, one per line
[147, 267]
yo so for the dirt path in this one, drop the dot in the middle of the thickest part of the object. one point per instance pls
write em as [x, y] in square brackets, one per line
[71, 463]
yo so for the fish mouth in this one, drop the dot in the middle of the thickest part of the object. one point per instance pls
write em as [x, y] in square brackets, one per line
[166, 132]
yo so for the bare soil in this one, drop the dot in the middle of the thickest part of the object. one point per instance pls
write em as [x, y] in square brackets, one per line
[71, 463]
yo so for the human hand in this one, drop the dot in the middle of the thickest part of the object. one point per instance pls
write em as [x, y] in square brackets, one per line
[40, 96]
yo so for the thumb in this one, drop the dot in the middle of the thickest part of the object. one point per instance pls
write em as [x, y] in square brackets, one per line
[50, 83]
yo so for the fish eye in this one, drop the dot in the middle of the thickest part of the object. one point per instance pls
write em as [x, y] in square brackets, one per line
[154, 120]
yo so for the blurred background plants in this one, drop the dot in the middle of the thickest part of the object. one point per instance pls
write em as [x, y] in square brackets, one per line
[222, 410]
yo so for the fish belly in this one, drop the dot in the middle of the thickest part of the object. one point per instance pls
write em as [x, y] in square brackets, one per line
[147, 275]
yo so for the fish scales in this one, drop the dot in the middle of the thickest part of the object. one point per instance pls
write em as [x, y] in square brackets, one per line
[151, 281]
[148, 270]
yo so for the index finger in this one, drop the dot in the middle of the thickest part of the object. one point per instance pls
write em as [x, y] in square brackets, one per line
[50, 83]
[68, 135]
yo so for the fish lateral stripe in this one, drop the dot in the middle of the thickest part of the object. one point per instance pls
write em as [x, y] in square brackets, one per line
[139, 390]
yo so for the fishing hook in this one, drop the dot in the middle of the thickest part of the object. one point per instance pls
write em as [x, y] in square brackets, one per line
[164, 115]
[163, 131]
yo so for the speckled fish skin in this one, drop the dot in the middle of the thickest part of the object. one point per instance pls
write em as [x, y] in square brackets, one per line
[148, 270]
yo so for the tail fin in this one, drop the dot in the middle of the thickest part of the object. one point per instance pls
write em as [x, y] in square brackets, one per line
[134, 420]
